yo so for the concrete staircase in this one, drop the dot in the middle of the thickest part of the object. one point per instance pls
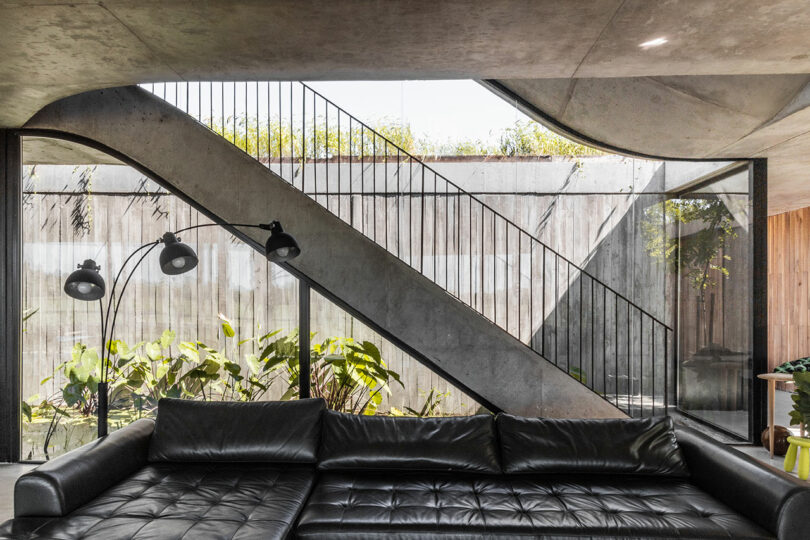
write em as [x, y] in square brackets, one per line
[230, 186]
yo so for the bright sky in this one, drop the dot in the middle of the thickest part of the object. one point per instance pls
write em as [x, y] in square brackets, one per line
[440, 110]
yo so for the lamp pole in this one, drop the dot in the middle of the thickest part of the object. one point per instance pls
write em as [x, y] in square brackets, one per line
[86, 284]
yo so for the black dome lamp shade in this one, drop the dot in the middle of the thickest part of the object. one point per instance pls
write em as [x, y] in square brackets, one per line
[280, 246]
[176, 257]
[86, 283]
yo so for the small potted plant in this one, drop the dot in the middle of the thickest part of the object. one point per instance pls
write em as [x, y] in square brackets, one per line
[800, 415]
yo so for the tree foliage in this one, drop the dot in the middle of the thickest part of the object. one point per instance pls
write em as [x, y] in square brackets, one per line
[282, 139]
[710, 226]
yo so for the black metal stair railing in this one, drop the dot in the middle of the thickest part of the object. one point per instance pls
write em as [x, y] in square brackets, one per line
[568, 316]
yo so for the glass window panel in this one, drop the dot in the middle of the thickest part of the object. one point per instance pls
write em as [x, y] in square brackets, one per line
[421, 392]
[104, 212]
[715, 273]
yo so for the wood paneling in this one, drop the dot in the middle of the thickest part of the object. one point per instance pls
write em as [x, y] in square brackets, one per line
[788, 305]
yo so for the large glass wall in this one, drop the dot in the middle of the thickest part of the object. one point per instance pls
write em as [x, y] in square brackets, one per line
[198, 335]
[715, 373]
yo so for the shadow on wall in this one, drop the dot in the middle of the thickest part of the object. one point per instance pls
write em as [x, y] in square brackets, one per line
[615, 347]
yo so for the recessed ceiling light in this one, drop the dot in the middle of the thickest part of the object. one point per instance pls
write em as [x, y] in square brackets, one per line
[653, 43]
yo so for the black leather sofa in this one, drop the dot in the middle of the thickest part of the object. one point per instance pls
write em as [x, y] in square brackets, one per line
[295, 470]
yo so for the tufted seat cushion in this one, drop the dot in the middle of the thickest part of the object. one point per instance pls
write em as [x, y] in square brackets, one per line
[424, 506]
[190, 501]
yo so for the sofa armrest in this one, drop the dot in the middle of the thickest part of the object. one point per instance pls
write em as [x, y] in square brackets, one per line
[775, 500]
[58, 487]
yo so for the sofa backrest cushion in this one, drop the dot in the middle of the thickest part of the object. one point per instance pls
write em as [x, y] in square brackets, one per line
[645, 446]
[352, 442]
[237, 431]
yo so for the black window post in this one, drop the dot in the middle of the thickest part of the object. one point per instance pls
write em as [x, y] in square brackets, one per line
[758, 187]
[10, 293]
[303, 339]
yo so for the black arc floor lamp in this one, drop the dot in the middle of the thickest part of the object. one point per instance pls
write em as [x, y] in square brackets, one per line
[86, 284]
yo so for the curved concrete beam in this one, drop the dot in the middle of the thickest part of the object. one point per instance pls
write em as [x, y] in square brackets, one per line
[236, 188]
[701, 117]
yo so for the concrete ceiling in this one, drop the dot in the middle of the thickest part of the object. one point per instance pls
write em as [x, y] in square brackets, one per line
[731, 80]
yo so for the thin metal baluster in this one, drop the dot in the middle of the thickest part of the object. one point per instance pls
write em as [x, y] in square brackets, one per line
[326, 161]
[362, 171]
[629, 354]
[351, 173]
[652, 344]
[520, 284]
[374, 179]
[604, 339]
[435, 230]
[314, 145]
[567, 292]
[481, 257]
[592, 377]
[472, 300]
[222, 99]
[410, 210]
[446, 236]
[457, 207]
[386, 187]
[211, 105]
[351, 169]
[641, 358]
[280, 151]
[399, 197]
[422, 229]
[556, 308]
[581, 279]
[258, 125]
[542, 303]
[268, 126]
[292, 139]
[235, 143]
[340, 184]
[506, 274]
[494, 271]
[666, 371]
[303, 137]
[616, 345]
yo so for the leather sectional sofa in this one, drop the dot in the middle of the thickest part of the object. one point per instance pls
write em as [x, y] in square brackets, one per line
[295, 470]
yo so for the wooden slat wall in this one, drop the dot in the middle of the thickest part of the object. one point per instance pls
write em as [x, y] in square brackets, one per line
[788, 306]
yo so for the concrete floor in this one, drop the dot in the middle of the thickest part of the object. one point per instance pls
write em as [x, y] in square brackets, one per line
[8, 475]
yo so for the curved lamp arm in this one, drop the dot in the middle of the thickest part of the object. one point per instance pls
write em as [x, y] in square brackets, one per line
[115, 299]
[279, 247]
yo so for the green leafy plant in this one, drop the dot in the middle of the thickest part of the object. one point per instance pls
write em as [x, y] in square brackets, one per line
[524, 138]
[431, 406]
[700, 257]
[350, 376]
[800, 415]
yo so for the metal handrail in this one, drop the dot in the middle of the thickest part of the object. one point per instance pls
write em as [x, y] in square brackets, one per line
[481, 209]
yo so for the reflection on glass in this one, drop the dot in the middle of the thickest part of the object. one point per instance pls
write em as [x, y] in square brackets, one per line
[714, 278]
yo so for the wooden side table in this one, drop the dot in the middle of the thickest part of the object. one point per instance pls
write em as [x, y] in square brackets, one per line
[772, 379]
